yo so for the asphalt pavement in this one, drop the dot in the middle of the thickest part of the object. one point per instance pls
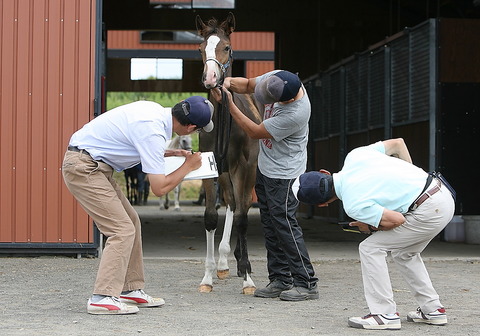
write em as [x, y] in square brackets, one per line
[47, 295]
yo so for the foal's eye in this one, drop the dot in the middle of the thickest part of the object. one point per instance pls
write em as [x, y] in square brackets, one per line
[227, 48]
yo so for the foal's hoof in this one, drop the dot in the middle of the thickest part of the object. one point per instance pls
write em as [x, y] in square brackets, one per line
[223, 274]
[249, 290]
[205, 288]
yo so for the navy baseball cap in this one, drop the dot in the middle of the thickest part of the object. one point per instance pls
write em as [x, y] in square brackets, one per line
[199, 110]
[315, 188]
[279, 87]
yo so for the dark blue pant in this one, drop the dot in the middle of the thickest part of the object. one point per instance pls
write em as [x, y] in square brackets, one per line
[287, 255]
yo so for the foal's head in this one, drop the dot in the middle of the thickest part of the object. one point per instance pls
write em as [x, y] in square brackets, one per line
[215, 49]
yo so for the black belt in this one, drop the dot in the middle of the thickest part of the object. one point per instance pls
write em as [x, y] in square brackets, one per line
[76, 149]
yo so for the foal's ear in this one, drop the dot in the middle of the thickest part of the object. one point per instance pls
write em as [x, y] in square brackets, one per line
[200, 25]
[229, 24]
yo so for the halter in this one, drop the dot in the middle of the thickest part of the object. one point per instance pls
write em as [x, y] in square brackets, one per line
[223, 67]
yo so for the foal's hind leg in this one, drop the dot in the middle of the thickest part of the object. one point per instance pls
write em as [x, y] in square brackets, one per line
[244, 269]
[243, 183]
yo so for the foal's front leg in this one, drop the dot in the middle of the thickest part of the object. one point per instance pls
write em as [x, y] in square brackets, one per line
[211, 220]
[223, 271]
[206, 286]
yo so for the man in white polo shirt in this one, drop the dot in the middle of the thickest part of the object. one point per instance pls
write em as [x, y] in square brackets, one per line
[116, 140]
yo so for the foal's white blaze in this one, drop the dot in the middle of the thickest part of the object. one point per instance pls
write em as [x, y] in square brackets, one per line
[212, 69]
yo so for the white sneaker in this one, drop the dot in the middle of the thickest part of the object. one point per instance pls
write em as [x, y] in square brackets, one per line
[438, 317]
[141, 299]
[110, 305]
[380, 321]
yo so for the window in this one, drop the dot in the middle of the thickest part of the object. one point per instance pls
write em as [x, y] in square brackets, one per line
[213, 3]
[156, 68]
[189, 4]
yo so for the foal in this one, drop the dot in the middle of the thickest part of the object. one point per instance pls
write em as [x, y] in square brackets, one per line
[236, 156]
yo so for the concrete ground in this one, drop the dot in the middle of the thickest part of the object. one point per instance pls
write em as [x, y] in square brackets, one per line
[47, 295]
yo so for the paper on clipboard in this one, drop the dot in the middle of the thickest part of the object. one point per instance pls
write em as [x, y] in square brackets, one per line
[207, 170]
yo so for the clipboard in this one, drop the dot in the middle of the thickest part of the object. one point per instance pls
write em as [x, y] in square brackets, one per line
[207, 170]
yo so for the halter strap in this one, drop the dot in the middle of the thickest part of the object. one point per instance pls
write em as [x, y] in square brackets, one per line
[224, 67]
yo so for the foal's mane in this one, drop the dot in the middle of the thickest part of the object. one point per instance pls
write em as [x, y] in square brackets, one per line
[212, 26]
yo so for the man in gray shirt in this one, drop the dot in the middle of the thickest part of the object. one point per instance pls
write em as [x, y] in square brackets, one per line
[283, 137]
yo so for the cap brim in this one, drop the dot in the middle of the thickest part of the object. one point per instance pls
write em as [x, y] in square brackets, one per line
[261, 93]
[209, 127]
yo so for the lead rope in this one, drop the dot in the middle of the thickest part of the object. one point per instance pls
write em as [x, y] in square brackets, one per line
[223, 135]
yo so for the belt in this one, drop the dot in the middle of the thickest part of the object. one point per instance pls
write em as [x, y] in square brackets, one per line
[424, 196]
[76, 149]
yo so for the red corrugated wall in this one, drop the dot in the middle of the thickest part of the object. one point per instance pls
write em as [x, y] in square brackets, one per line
[47, 66]
[130, 39]
[251, 41]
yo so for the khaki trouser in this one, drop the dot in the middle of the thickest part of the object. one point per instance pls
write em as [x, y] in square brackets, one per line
[405, 244]
[92, 184]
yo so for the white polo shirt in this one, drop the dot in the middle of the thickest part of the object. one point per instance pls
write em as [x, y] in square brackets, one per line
[127, 135]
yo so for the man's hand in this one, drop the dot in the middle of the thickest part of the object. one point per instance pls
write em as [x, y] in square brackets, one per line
[364, 228]
[193, 160]
[217, 95]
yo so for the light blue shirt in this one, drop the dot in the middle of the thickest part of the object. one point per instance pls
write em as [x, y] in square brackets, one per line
[371, 181]
[127, 135]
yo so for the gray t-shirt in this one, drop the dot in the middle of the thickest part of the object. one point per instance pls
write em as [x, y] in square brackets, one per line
[285, 156]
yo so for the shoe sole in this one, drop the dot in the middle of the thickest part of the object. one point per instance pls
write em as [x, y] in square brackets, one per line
[142, 305]
[150, 305]
[375, 327]
[267, 296]
[299, 298]
[270, 295]
[112, 312]
[439, 322]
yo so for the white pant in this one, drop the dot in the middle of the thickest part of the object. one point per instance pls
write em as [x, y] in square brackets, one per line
[405, 244]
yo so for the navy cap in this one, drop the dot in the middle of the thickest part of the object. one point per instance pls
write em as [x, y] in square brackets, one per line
[315, 188]
[279, 87]
[199, 110]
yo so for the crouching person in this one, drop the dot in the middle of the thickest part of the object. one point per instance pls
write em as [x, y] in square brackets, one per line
[405, 208]
[116, 140]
